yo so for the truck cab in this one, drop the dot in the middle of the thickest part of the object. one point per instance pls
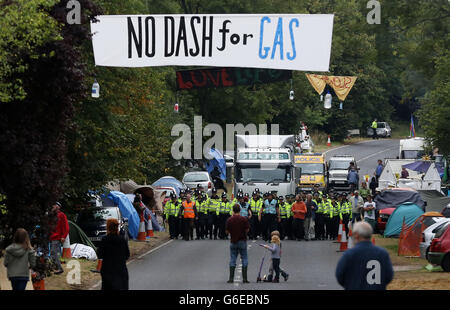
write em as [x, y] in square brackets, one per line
[312, 166]
[267, 163]
[337, 171]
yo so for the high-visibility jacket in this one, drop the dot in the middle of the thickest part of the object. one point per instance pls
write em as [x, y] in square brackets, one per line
[170, 209]
[188, 211]
[319, 207]
[225, 207]
[214, 205]
[374, 125]
[244, 209]
[255, 205]
[270, 206]
[330, 210]
[345, 208]
[203, 206]
[285, 210]
[320, 194]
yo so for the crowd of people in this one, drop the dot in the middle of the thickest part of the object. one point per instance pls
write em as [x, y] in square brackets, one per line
[305, 216]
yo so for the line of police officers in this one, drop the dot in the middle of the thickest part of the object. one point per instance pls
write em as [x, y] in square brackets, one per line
[267, 213]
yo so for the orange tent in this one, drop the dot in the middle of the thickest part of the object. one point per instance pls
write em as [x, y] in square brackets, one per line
[410, 237]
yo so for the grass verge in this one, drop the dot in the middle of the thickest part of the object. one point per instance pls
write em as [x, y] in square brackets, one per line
[88, 278]
[419, 278]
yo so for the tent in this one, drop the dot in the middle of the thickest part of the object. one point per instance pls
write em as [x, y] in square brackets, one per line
[409, 212]
[392, 198]
[435, 200]
[169, 181]
[77, 235]
[410, 237]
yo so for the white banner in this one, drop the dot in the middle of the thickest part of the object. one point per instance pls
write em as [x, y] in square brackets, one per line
[273, 41]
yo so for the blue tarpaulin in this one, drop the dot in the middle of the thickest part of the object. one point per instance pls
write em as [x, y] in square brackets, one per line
[170, 182]
[217, 161]
[419, 166]
[127, 209]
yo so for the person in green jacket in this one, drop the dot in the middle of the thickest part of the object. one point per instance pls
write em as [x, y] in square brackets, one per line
[19, 258]
[374, 129]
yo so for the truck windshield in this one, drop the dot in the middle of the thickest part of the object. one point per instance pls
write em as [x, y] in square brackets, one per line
[311, 169]
[339, 164]
[254, 173]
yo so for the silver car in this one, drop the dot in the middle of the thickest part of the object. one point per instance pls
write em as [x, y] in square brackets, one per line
[383, 130]
[194, 178]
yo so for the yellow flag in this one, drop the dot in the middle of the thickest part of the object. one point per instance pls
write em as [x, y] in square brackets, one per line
[341, 84]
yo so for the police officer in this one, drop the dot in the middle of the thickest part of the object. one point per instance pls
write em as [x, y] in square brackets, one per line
[345, 211]
[319, 221]
[171, 212]
[203, 206]
[316, 190]
[188, 213]
[198, 202]
[284, 215]
[213, 211]
[255, 205]
[224, 214]
[334, 216]
[327, 210]
[271, 217]
[289, 203]
[180, 227]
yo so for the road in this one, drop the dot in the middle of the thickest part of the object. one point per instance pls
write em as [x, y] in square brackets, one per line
[203, 264]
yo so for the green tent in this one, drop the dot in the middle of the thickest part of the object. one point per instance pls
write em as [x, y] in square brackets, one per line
[409, 212]
[77, 235]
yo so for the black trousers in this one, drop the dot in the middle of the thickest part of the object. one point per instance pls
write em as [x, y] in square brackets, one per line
[298, 229]
[276, 267]
[284, 231]
[329, 226]
[222, 223]
[269, 224]
[173, 226]
[319, 227]
[254, 227]
[213, 224]
[203, 225]
[345, 220]
[188, 228]
[180, 230]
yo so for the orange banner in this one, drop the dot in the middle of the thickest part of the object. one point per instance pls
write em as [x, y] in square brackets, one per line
[341, 84]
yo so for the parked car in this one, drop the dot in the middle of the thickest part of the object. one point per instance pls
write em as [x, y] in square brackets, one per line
[429, 234]
[93, 222]
[382, 219]
[193, 178]
[383, 130]
[439, 253]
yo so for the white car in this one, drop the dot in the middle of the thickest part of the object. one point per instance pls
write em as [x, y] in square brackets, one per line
[428, 234]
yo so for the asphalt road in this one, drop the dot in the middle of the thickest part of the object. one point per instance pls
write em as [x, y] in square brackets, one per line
[203, 264]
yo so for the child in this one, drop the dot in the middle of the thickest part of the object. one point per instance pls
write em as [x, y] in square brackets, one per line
[276, 255]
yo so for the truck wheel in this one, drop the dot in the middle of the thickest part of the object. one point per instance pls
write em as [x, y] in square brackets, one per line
[446, 262]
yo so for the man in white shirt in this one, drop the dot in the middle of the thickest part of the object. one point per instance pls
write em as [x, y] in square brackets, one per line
[369, 211]
[357, 204]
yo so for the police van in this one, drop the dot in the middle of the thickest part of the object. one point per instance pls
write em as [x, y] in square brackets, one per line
[312, 166]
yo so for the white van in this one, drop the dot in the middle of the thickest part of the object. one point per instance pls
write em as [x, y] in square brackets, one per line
[411, 148]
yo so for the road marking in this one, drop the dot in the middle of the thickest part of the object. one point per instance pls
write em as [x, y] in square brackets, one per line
[130, 261]
[385, 150]
[340, 147]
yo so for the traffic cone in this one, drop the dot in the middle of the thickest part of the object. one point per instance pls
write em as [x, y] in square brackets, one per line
[340, 232]
[142, 234]
[343, 242]
[66, 248]
[329, 141]
[99, 266]
[350, 236]
[149, 227]
[373, 240]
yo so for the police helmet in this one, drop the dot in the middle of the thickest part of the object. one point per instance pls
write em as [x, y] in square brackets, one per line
[214, 190]
[239, 196]
[224, 195]
[281, 197]
[254, 193]
[240, 190]
[173, 195]
[257, 190]
[246, 195]
[182, 192]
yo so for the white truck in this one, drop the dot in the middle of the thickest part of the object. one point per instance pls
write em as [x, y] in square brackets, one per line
[265, 162]
[337, 172]
[411, 148]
